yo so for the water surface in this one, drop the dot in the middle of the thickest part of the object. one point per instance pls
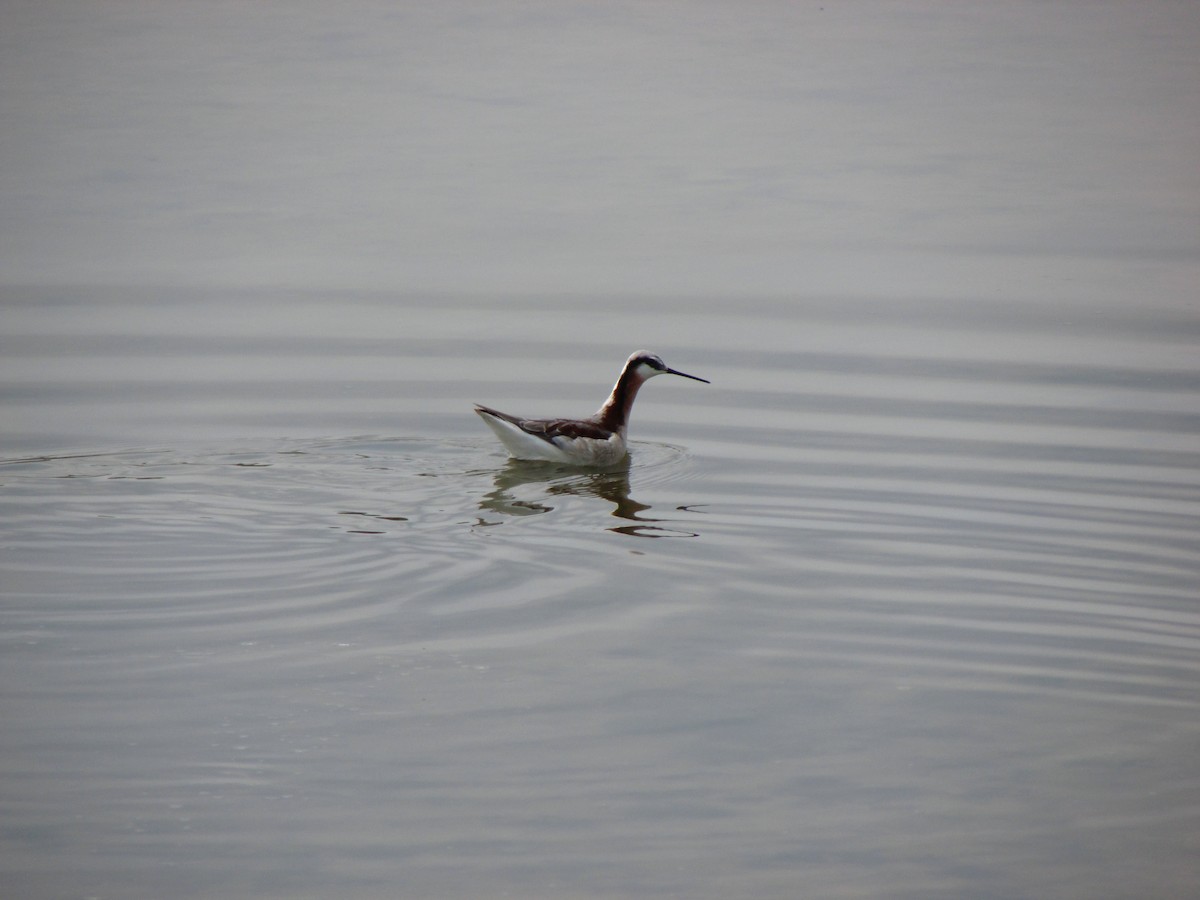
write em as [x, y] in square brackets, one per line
[903, 604]
[914, 621]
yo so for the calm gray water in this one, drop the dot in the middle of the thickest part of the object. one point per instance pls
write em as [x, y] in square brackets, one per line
[906, 603]
[918, 619]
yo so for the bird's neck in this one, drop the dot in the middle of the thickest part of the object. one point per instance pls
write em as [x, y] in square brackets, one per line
[614, 414]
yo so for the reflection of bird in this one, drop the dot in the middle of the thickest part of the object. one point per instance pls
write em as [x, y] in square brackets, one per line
[540, 486]
[610, 483]
[595, 441]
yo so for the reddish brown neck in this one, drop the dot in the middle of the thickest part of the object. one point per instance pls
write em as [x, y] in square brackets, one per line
[614, 414]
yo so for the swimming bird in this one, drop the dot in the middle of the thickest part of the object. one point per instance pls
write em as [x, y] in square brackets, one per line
[598, 440]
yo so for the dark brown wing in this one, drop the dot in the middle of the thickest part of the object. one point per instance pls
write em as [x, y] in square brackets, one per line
[549, 429]
[568, 428]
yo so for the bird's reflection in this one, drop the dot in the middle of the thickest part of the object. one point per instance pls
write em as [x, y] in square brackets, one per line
[610, 484]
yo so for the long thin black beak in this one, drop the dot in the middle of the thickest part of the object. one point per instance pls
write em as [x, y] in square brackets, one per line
[686, 375]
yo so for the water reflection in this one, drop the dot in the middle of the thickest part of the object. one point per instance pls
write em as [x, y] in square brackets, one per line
[610, 484]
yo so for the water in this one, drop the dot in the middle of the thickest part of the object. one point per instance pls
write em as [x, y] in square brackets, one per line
[903, 604]
[918, 621]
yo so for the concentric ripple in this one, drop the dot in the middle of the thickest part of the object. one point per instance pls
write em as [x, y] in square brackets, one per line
[288, 540]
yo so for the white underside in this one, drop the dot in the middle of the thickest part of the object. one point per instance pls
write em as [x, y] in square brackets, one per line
[576, 452]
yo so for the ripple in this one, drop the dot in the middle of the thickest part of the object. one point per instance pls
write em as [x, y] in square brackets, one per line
[1000, 523]
[300, 540]
[1001, 527]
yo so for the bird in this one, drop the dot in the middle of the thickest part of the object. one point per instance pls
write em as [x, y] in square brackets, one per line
[599, 440]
